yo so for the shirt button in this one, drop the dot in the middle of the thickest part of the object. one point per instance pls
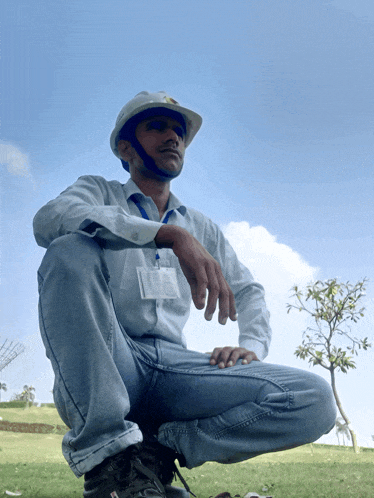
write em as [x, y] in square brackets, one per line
[135, 236]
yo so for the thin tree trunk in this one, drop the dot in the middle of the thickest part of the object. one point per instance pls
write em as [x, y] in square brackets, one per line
[342, 412]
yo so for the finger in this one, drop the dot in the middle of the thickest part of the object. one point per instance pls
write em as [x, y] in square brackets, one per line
[213, 292]
[224, 301]
[198, 283]
[233, 314]
[235, 355]
[223, 357]
[244, 354]
[214, 356]
[251, 356]
[200, 296]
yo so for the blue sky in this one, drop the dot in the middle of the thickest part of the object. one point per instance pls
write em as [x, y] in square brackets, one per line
[283, 161]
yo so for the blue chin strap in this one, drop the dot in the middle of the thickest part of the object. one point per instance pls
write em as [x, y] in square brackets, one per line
[128, 133]
[150, 164]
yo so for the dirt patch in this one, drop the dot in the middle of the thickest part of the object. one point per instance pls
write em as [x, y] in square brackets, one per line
[33, 428]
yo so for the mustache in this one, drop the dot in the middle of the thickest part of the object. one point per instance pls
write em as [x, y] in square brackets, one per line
[171, 149]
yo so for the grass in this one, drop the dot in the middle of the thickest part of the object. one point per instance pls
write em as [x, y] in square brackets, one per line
[31, 415]
[33, 464]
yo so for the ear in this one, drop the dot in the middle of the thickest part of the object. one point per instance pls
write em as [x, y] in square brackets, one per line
[125, 150]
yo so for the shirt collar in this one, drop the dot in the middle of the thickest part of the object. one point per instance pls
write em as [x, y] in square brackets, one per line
[131, 188]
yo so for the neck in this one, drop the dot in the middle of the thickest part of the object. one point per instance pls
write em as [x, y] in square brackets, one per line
[159, 191]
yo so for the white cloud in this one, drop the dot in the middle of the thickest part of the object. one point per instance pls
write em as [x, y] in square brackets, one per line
[14, 160]
[276, 266]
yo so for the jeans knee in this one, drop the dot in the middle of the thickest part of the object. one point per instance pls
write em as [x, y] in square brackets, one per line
[74, 255]
[322, 411]
[330, 409]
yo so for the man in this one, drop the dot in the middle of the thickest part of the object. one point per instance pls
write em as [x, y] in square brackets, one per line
[122, 266]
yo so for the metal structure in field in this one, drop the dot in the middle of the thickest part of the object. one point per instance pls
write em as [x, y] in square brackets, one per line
[9, 351]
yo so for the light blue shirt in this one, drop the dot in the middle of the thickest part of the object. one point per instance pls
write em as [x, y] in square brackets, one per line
[129, 243]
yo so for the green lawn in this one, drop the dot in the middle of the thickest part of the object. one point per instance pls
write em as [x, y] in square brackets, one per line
[33, 464]
[34, 414]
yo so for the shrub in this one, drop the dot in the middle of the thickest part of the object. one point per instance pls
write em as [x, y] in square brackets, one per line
[13, 404]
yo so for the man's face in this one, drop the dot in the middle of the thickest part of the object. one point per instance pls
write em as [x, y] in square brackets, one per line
[163, 139]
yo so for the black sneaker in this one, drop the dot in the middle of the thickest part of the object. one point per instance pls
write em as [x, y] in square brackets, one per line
[161, 461]
[123, 476]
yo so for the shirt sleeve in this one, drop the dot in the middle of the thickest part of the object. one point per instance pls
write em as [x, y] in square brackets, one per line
[92, 207]
[253, 315]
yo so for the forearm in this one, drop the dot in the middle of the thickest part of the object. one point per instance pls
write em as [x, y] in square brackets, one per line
[170, 235]
[111, 224]
[99, 210]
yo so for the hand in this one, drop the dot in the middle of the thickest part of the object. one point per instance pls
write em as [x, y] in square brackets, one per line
[202, 272]
[228, 356]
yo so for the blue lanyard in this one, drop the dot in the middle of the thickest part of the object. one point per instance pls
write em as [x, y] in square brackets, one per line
[144, 214]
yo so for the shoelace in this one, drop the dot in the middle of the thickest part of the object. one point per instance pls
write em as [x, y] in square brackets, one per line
[149, 443]
[140, 468]
[183, 481]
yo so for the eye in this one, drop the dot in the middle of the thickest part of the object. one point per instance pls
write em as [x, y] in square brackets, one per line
[161, 126]
[157, 125]
[179, 131]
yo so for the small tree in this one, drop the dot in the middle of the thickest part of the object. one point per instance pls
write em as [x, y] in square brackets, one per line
[342, 428]
[2, 388]
[335, 306]
[27, 395]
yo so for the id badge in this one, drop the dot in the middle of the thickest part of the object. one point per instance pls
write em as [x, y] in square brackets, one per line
[158, 283]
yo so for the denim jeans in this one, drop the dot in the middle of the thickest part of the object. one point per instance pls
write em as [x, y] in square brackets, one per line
[110, 388]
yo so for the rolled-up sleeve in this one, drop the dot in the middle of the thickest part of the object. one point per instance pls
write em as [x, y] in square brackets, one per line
[90, 206]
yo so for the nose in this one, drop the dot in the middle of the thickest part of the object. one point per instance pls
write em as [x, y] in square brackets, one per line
[170, 134]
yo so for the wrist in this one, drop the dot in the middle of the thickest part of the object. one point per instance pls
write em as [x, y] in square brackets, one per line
[168, 235]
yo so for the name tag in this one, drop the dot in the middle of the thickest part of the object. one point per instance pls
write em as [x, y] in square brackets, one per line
[158, 283]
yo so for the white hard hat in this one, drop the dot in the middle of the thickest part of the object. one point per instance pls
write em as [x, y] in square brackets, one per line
[145, 100]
